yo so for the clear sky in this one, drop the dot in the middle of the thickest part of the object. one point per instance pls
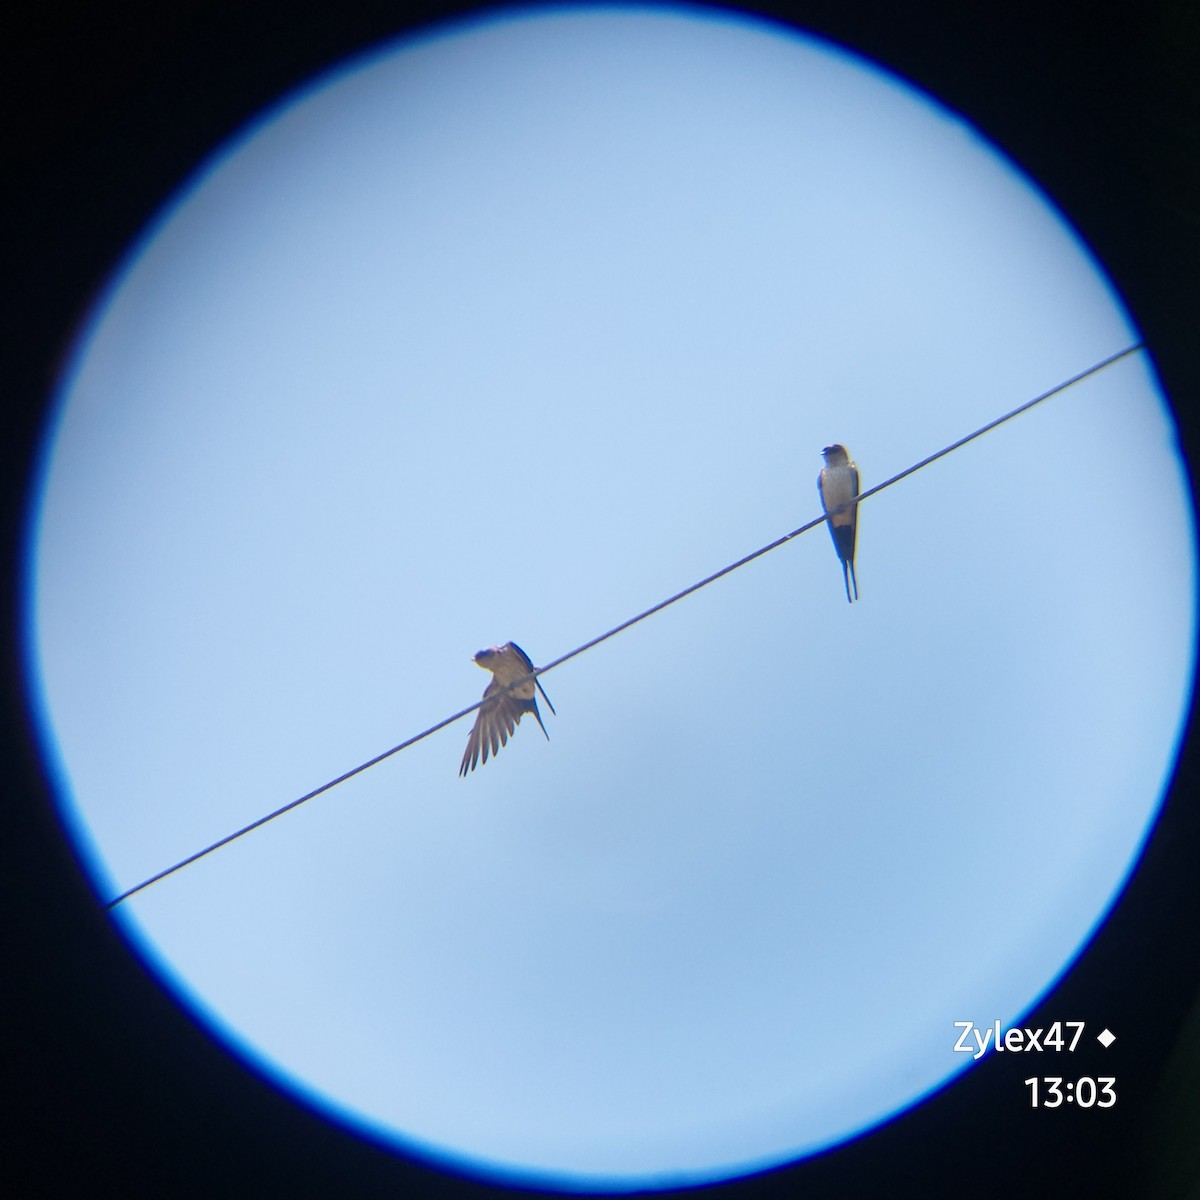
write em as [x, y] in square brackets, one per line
[510, 333]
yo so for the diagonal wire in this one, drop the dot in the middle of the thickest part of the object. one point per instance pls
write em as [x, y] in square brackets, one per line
[787, 537]
[649, 612]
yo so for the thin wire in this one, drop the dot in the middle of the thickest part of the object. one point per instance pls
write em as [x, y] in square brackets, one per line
[649, 612]
[787, 537]
[295, 803]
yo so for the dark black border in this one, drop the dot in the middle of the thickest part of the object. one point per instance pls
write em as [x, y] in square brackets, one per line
[107, 108]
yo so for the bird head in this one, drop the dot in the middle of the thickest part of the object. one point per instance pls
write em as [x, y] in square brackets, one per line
[836, 455]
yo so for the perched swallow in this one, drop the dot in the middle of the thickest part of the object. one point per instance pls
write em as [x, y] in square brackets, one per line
[838, 485]
[502, 710]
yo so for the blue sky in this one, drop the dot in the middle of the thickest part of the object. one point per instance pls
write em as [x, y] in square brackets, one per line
[509, 333]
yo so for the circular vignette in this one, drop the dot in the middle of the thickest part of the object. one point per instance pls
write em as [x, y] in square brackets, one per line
[1185, 421]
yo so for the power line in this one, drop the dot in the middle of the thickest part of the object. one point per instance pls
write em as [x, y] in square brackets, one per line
[695, 587]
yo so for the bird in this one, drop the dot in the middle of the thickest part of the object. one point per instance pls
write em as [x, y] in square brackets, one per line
[503, 707]
[838, 485]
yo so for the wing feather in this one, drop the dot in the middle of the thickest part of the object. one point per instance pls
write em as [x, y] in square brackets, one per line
[495, 722]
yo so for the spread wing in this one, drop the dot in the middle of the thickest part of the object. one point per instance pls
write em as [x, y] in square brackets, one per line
[495, 721]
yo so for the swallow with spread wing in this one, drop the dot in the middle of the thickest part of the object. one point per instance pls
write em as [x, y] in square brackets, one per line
[838, 485]
[503, 707]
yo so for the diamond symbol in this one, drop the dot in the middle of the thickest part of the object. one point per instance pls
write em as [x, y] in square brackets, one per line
[1105, 1038]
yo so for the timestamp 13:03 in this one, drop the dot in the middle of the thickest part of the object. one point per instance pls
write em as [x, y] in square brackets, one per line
[1086, 1092]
